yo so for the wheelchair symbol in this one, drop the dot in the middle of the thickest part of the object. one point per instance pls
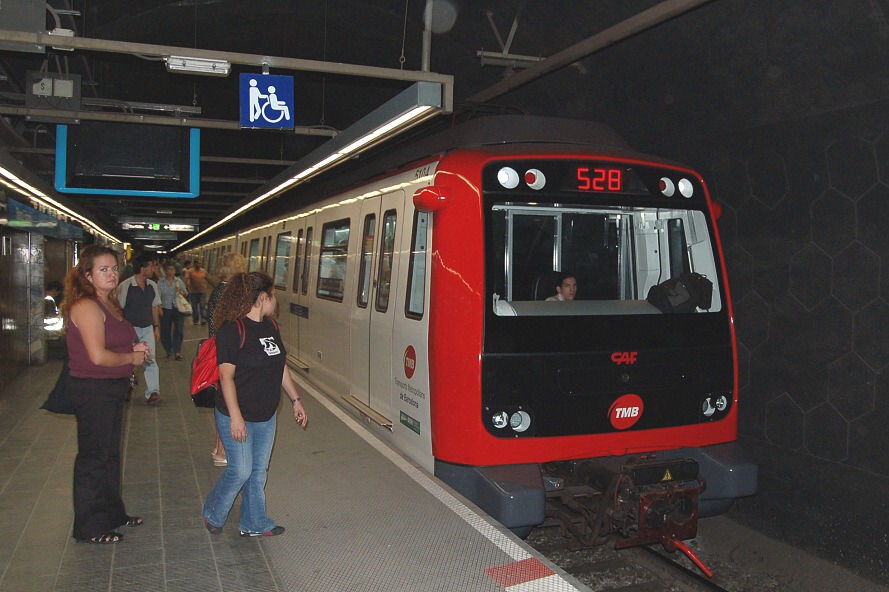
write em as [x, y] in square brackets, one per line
[271, 110]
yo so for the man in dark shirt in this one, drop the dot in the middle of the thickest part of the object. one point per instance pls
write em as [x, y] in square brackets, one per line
[141, 302]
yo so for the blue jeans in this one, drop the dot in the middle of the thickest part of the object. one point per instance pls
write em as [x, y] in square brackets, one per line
[198, 307]
[152, 372]
[247, 468]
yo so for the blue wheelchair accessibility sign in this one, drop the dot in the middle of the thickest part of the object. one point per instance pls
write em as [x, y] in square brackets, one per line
[266, 101]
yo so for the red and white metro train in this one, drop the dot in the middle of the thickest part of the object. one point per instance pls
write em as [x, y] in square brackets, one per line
[415, 290]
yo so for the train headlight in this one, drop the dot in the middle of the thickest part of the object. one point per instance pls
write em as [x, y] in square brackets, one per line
[686, 189]
[667, 187]
[535, 178]
[508, 177]
[520, 421]
[500, 420]
[721, 403]
[707, 408]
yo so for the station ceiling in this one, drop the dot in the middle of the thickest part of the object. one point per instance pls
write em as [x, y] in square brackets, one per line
[709, 68]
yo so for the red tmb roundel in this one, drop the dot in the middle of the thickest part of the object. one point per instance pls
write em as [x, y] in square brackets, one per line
[410, 361]
[625, 412]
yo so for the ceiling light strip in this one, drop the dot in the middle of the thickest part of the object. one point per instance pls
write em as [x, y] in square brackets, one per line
[409, 108]
[35, 194]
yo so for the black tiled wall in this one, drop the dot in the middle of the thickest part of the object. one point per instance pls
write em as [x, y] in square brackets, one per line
[806, 236]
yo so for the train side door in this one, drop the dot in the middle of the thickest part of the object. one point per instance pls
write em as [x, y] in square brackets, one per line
[372, 324]
[299, 299]
[360, 323]
[385, 302]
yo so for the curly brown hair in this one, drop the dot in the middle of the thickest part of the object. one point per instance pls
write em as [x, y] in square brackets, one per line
[77, 286]
[239, 296]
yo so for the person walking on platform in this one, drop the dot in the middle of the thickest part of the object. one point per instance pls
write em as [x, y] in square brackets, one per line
[252, 371]
[230, 264]
[172, 321]
[141, 302]
[199, 285]
[102, 357]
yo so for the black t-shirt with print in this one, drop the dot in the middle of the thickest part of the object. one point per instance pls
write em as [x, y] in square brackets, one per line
[259, 367]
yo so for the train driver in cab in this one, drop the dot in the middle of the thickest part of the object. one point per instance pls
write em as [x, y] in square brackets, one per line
[566, 288]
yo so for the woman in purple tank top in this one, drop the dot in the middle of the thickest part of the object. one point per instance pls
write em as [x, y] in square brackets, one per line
[102, 356]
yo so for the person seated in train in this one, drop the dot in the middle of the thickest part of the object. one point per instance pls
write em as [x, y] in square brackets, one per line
[566, 288]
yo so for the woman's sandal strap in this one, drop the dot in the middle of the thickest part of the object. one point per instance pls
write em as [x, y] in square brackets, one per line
[134, 521]
[106, 539]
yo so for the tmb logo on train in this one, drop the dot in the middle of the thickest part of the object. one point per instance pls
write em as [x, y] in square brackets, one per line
[625, 412]
[624, 357]
[410, 361]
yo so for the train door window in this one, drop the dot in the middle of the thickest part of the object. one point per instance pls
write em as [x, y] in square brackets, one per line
[332, 260]
[282, 259]
[387, 255]
[244, 250]
[416, 273]
[299, 254]
[211, 261]
[264, 254]
[530, 242]
[367, 246]
[253, 259]
[304, 287]
[677, 247]
[268, 261]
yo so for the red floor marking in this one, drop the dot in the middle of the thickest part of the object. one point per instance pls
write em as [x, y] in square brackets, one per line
[519, 572]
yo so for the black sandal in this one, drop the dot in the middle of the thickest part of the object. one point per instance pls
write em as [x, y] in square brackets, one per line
[134, 521]
[109, 538]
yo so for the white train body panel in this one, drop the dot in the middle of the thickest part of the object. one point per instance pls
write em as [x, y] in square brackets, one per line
[370, 353]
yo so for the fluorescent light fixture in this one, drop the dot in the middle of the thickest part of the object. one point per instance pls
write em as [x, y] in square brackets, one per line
[407, 109]
[202, 66]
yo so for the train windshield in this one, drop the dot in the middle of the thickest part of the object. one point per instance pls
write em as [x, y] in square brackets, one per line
[558, 260]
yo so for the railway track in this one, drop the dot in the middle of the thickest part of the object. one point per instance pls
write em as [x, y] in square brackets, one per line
[674, 573]
[638, 569]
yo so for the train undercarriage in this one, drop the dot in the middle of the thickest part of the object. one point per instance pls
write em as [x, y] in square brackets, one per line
[645, 501]
[633, 499]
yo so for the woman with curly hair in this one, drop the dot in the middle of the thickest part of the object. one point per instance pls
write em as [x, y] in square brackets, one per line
[230, 264]
[252, 371]
[102, 356]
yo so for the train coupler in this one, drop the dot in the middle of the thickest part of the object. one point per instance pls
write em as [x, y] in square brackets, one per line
[656, 500]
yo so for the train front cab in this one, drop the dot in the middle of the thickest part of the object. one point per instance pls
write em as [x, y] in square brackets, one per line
[608, 377]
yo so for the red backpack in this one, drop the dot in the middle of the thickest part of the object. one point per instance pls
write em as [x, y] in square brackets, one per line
[205, 370]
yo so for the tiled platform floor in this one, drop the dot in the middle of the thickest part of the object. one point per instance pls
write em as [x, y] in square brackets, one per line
[355, 521]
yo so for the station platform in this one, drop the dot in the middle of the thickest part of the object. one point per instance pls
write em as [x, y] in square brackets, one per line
[358, 515]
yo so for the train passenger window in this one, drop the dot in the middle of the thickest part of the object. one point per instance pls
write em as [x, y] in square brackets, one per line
[387, 256]
[416, 273]
[615, 255]
[332, 260]
[367, 246]
[282, 259]
[253, 259]
[304, 288]
[244, 250]
[299, 255]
